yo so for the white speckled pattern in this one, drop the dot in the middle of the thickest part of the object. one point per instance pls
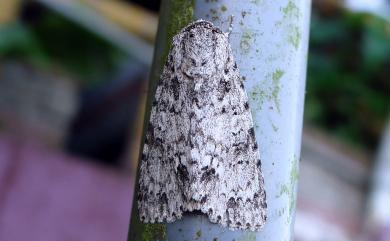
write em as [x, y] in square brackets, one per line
[200, 150]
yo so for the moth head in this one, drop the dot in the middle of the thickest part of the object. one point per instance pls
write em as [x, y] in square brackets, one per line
[200, 50]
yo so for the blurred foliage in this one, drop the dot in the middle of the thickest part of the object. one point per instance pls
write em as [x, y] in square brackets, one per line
[348, 86]
[50, 41]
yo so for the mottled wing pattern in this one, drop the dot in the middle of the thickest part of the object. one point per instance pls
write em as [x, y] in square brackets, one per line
[159, 194]
[200, 151]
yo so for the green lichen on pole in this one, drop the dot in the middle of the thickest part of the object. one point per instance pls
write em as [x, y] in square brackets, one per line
[174, 15]
[154, 232]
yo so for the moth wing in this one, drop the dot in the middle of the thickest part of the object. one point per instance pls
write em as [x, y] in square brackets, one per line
[232, 186]
[160, 196]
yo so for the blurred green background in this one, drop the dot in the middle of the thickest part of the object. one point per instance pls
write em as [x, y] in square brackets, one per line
[348, 81]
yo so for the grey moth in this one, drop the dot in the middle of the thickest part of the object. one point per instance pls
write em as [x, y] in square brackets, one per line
[200, 151]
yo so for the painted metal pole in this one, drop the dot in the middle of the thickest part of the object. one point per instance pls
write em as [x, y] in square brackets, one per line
[174, 15]
[377, 223]
[269, 40]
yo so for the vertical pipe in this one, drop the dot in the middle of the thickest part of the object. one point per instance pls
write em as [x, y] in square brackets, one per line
[174, 15]
[377, 221]
[269, 41]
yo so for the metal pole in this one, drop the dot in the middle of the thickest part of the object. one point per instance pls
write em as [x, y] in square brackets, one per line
[174, 15]
[270, 41]
[377, 222]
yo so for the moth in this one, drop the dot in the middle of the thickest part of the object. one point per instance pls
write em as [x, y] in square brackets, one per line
[200, 151]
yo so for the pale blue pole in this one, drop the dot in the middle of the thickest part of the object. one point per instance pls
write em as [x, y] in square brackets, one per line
[269, 40]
